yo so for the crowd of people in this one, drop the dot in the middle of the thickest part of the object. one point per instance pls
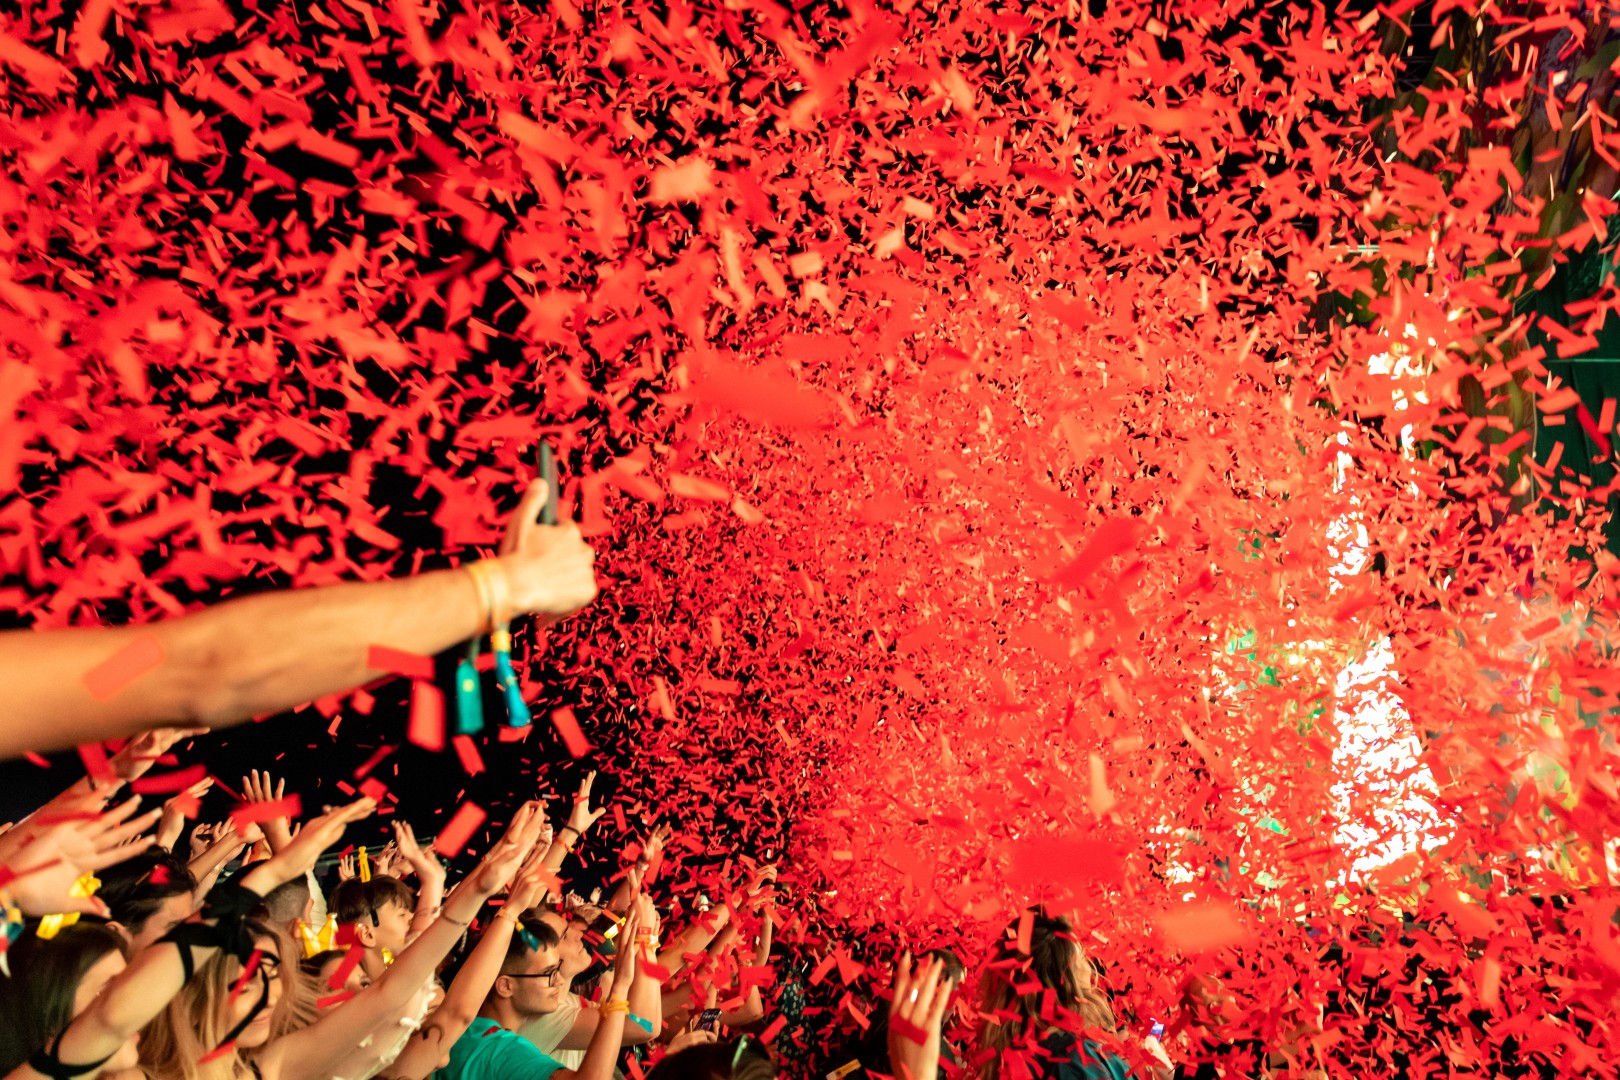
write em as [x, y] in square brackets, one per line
[140, 943]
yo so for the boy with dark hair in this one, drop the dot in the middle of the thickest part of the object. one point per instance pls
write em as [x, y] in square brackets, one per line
[380, 911]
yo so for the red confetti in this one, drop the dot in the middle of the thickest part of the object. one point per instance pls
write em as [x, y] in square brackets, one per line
[454, 836]
[108, 678]
[568, 729]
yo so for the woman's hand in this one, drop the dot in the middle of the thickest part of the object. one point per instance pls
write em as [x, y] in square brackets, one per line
[916, 1015]
[49, 856]
[258, 787]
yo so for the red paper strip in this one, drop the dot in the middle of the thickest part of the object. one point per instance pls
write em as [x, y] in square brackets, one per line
[426, 728]
[563, 720]
[112, 675]
[399, 662]
[252, 813]
[467, 751]
[167, 783]
[454, 836]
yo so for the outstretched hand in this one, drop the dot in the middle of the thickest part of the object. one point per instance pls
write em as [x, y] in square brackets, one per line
[582, 817]
[916, 1016]
[49, 856]
[300, 856]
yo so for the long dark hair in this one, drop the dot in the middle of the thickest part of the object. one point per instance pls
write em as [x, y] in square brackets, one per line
[1015, 986]
[36, 1001]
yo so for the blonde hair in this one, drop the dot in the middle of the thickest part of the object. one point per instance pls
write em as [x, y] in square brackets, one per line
[198, 1018]
[1053, 987]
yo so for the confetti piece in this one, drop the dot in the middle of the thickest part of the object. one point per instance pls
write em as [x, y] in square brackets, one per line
[410, 665]
[252, 813]
[455, 834]
[108, 679]
[569, 731]
[426, 727]
[1203, 927]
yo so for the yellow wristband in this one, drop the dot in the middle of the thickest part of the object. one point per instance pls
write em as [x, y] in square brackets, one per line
[612, 1006]
[480, 576]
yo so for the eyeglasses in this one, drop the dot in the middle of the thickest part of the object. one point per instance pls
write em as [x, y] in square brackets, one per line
[550, 974]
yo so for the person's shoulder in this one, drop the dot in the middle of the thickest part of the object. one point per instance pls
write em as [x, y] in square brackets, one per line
[1073, 1058]
[510, 1054]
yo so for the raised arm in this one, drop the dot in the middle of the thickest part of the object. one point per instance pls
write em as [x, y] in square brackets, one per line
[580, 820]
[267, 653]
[316, 1050]
[429, 878]
[603, 1053]
[142, 990]
[472, 983]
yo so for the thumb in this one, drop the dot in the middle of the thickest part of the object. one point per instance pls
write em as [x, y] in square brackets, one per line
[526, 515]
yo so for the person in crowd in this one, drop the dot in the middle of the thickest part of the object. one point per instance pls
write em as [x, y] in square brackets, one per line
[103, 1035]
[566, 1031]
[528, 986]
[1044, 1012]
[51, 980]
[262, 654]
[867, 1053]
[232, 1030]
[379, 912]
[148, 895]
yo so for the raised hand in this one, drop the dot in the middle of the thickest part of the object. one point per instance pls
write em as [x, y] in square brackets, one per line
[424, 863]
[300, 856]
[48, 856]
[345, 867]
[259, 787]
[583, 817]
[505, 857]
[173, 820]
[549, 568]
[530, 884]
[916, 1015]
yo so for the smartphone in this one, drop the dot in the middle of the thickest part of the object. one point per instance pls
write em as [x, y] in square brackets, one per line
[709, 1020]
[1158, 1030]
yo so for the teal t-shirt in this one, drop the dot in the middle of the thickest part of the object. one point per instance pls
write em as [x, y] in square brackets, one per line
[487, 1051]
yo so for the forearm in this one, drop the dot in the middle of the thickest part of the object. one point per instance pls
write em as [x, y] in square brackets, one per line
[228, 663]
[429, 896]
[478, 974]
[647, 1002]
[752, 1009]
[321, 1047]
[208, 864]
[603, 1054]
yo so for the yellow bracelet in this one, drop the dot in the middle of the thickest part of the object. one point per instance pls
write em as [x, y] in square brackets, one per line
[480, 576]
[500, 600]
[612, 1006]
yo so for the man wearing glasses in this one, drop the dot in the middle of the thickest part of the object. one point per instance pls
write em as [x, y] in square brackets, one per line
[529, 986]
